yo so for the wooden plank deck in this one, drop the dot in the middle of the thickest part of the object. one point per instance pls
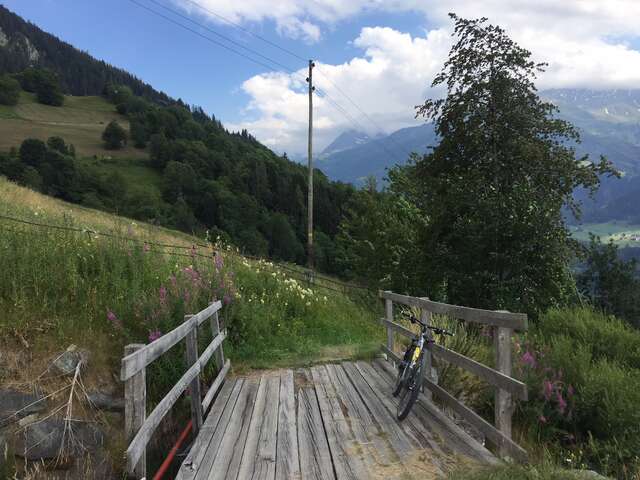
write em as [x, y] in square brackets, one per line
[329, 422]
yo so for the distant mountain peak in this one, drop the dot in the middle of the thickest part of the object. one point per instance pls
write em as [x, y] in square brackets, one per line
[346, 140]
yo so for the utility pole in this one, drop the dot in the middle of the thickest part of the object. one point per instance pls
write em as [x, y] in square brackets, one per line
[310, 259]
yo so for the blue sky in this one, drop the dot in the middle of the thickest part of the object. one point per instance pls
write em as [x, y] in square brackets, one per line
[382, 54]
[179, 62]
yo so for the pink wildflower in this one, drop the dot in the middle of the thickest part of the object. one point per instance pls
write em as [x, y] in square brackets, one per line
[218, 261]
[146, 247]
[115, 321]
[528, 359]
[562, 403]
[542, 419]
[570, 392]
[547, 389]
[226, 300]
[154, 335]
[163, 295]
[173, 280]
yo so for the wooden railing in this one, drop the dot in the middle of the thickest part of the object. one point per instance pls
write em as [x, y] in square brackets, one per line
[138, 426]
[508, 389]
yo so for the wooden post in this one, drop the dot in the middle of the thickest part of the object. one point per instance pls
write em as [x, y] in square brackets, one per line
[425, 316]
[504, 405]
[135, 404]
[194, 386]
[215, 331]
[389, 314]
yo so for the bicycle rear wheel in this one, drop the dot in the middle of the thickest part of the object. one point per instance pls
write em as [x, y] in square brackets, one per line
[411, 388]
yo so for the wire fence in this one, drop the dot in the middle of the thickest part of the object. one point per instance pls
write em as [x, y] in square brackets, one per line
[311, 277]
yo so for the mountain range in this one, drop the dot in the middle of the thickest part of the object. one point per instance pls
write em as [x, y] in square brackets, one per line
[609, 125]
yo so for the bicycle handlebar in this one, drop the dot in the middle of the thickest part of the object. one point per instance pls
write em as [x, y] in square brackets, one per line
[438, 330]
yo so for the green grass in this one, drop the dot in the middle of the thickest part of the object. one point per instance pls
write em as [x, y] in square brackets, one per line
[136, 173]
[609, 231]
[70, 281]
[80, 121]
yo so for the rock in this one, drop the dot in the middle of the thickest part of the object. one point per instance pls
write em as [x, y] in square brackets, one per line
[67, 361]
[104, 401]
[588, 475]
[15, 405]
[42, 440]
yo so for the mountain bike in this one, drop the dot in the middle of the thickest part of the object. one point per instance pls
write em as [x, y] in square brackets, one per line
[412, 368]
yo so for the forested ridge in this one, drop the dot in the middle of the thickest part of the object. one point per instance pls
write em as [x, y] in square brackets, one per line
[212, 180]
[79, 73]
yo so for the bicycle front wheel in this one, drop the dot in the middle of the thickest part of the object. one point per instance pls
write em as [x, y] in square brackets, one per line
[411, 388]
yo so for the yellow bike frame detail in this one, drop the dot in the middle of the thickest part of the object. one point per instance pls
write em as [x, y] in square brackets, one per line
[416, 354]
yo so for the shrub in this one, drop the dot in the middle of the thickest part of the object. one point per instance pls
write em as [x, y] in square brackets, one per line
[9, 90]
[114, 136]
[44, 83]
[582, 370]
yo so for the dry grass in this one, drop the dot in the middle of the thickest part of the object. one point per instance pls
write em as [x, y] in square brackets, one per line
[80, 121]
[37, 207]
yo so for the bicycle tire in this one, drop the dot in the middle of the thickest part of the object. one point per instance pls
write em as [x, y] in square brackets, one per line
[405, 407]
[399, 381]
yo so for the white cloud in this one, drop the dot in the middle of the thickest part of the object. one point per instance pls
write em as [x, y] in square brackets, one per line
[584, 42]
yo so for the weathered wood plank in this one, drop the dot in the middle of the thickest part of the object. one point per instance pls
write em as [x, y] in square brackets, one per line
[388, 307]
[215, 331]
[347, 462]
[287, 459]
[265, 462]
[136, 361]
[517, 321]
[135, 398]
[196, 454]
[139, 443]
[393, 356]
[494, 377]
[207, 462]
[402, 330]
[227, 462]
[215, 385]
[455, 437]
[412, 426]
[195, 396]
[504, 405]
[315, 457]
[251, 445]
[399, 441]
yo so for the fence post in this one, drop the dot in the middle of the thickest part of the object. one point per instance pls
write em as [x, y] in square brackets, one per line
[504, 405]
[194, 387]
[425, 316]
[215, 331]
[390, 334]
[135, 404]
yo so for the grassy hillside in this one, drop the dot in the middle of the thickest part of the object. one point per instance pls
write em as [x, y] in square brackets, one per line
[621, 233]
[80, 121]
[73, 279]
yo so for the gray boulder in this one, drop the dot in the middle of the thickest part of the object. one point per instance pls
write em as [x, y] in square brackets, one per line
[104, 401]
[43, 440]
[15, 405]
[68, 360]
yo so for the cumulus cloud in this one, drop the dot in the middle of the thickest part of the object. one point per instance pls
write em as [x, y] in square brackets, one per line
[585, 43]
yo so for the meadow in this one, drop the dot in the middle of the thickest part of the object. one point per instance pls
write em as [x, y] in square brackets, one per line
[60, 286]
[80, 121]
[620, 233]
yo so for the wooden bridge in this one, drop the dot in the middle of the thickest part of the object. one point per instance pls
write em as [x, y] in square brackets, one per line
[334, 421]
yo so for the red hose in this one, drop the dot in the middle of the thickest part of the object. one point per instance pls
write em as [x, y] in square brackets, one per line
[167, 461]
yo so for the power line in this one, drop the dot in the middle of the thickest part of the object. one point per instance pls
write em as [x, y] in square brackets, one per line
[169, 19]
[230, 40]
[240, 27]
[332, 101]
